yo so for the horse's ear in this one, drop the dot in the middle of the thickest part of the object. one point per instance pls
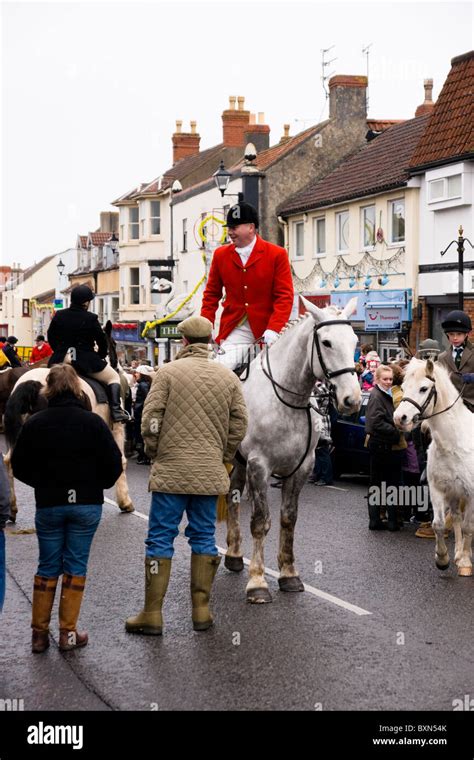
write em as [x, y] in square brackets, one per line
[108, 328]
[317, 313]
[350, 308]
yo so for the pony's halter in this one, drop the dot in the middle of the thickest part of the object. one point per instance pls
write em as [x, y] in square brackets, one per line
[424, 406]
[328, 374]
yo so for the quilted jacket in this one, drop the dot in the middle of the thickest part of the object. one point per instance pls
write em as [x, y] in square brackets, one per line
[193, 421]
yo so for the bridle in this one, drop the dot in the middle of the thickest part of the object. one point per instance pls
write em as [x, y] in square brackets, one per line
[328, 374]
[424, 406]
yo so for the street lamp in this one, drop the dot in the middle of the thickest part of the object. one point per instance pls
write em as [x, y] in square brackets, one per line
[460, 243]
[222, 178]
[60, 266]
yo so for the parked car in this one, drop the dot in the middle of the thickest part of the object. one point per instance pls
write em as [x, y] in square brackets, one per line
[348, 435]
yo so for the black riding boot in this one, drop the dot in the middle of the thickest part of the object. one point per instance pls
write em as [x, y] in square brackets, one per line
[118, 414]
[375, 523]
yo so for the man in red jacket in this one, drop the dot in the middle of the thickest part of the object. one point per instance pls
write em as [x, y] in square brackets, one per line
[258, 287]
[42, 350]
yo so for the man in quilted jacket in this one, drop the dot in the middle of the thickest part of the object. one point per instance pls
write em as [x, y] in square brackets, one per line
[193, 421]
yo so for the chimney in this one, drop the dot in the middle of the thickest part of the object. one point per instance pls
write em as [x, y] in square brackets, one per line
[428, 105]
[286, 134]
[108, 221]
[185, 143]
[347, 97]
[258, 133]
[235, 123]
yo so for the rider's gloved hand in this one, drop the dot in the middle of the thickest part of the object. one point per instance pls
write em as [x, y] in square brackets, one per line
[468, 377]
[269, 336]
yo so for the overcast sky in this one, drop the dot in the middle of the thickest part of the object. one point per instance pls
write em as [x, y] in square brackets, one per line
[91, 91]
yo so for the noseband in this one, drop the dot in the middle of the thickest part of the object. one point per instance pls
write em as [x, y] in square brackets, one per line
[328, 374]
[431, 395]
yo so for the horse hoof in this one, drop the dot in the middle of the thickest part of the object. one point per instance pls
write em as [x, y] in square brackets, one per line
[236, 564]
[128, 508]
[259, 596]
[442, 567]
[292, 583]
[465, 572]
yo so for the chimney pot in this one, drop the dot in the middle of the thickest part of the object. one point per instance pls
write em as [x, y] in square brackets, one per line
[252, 119]
[232, 100]
[193, 127]
[261, 117]
[286, 130]
[241, 101]
[179, 124]
[428, 85]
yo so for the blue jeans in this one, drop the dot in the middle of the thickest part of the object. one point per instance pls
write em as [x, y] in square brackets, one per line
[65, 536]
[165, 516]
[2, 568]
[323, 464]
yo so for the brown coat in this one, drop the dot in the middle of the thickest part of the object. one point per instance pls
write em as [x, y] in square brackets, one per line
[193, 421]
[455, 374]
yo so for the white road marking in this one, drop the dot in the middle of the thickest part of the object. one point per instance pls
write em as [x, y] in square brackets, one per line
[268, 571]
[336, 488]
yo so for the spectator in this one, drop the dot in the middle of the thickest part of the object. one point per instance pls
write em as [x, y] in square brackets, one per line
[68, 455]
[372, 361]
[143, 375]
[4, 515]
[322, 473]
[10, 351]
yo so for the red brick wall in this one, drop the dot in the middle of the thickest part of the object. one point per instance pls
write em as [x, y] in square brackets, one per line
[420, 329]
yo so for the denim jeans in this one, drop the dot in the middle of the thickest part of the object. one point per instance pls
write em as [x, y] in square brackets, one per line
[165, 516]
[323, 464]
[65, 536]
[2, 568]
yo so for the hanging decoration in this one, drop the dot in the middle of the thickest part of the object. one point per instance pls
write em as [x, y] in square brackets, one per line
[353, 273]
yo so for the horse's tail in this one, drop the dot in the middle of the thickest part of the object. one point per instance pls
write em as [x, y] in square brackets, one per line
[24, 400]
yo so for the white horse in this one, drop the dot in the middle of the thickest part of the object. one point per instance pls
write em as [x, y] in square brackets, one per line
[26, 398]
[429, 395]
[281, 437]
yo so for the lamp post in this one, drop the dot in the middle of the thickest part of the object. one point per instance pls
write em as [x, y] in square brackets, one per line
[222, 178]
[460, 244]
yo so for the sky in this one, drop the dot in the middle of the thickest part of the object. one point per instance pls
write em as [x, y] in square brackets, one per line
[91, 90]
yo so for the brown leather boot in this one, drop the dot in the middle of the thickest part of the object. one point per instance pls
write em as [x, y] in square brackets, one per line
[69, 607]
[203, 569]
[43, 599]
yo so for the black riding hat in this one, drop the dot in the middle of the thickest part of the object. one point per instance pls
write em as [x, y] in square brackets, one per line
[457, 321]
[11, 339]
[80, 294]
[242, 213]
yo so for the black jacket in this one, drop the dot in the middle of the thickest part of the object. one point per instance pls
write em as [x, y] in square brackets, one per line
[11, 355]
[142, 392]
[379, 419]
[4, 495]
[67, 454]
[78, 329]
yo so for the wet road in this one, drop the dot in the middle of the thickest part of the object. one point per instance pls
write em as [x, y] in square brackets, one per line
[391, 632]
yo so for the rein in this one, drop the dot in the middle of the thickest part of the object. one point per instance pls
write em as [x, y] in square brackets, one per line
[328, 374]
[431, 395]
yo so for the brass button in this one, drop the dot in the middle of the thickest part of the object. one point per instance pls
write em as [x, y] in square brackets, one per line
[244, 270]
[245, 287]
[246, 304]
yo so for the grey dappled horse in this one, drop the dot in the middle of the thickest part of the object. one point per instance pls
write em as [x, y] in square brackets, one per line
[282, 433]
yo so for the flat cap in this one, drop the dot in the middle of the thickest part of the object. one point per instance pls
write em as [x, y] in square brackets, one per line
[195, 327]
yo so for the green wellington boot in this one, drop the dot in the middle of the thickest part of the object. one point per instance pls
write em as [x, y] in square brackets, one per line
[203, 570]
[150, 620]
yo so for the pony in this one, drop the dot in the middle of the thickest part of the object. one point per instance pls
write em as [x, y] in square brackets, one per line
[27, 398]
[430, 397]
[283, 432]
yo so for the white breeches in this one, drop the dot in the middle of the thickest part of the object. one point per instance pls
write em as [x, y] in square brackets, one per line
[236, 347]
[107, 375]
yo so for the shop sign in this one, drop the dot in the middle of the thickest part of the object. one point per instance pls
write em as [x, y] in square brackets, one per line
[169, 330]
[383, 319]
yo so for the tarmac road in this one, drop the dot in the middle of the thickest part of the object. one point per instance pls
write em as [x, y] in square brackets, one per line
[397, 636]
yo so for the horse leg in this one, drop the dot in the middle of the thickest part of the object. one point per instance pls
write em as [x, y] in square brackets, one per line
[465, 561]
[257, 587]
[441, 551]
[121, 487]
[233, 558]
[9, 469]
[458, 533]
[289, 579]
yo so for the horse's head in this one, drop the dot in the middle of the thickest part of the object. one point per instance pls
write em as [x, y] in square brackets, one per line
[331, 353]
[419, 394]
[112, 345]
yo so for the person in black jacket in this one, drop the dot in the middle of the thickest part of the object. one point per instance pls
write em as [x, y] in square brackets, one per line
[68, 455]
[4, 515]
[75, 331]
[10, 351]
[144, 376]
[382, 435]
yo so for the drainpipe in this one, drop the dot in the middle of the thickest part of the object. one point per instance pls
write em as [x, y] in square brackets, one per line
[284, 224]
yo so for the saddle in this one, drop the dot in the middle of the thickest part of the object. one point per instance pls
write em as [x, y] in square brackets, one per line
[100, 389]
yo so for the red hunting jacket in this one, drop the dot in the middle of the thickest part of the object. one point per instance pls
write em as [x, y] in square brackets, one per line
[262, 290]
[38, 354]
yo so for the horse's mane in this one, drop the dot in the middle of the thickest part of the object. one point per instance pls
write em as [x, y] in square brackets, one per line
[417, 369]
